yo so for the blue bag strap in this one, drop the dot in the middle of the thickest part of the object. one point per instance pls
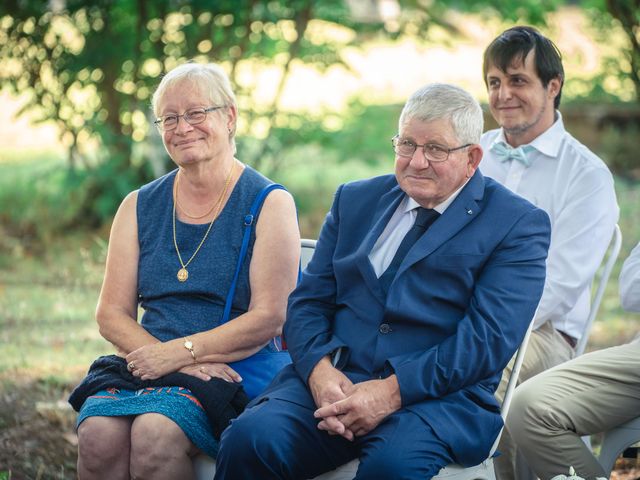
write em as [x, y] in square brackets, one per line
[248, 226]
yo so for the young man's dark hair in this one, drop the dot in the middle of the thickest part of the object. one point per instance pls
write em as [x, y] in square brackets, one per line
[514, 44]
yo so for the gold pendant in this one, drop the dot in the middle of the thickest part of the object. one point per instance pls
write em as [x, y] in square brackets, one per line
[183, 274]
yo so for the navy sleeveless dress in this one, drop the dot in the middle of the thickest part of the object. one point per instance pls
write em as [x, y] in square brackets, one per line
[174, 309]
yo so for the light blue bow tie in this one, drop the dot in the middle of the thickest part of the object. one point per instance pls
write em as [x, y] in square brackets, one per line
[505, 153]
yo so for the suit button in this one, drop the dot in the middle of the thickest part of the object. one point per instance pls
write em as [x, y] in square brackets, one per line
[384, 328]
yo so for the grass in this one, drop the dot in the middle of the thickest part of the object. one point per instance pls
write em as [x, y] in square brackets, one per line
[48, 339]
[47, 305]
[48, 334]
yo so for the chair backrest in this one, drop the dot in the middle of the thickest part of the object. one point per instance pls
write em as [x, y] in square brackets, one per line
[203, 465]
[307, 246]
[513, 381]
[600, 284]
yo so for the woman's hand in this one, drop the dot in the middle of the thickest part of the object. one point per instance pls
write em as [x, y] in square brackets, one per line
[152, 361]
[205, 371]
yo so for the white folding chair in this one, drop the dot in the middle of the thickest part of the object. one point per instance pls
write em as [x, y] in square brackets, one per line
[616, 441]
[600, 282]
[482, 471]
[307, 247]
[204, 466]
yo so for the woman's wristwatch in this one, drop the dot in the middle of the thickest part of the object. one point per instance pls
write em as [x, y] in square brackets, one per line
[188, 344]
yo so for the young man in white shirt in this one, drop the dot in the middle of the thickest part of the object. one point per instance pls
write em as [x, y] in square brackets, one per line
[533, 155]
[591, 394]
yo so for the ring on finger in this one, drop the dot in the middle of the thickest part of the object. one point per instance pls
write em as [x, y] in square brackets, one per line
[131, 366]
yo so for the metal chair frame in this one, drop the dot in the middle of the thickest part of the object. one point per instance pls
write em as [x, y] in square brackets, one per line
[608, 262]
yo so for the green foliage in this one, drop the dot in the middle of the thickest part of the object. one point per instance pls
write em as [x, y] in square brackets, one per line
[517, 11]
[92, 66]
[626, 13]
[36, 202]
[619, 148]
[366, 134]
[361, 134]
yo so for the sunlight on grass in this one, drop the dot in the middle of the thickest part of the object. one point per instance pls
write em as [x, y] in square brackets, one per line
[48, 328]
[47, 324]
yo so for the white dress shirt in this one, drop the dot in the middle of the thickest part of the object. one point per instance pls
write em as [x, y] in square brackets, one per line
[576, 190]
[630, 281]
[399, 224]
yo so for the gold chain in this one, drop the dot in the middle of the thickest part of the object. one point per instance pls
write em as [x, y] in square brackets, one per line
[175, 196]
[183, 274]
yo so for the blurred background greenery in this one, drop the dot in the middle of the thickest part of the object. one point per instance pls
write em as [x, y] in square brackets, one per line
[320, 85]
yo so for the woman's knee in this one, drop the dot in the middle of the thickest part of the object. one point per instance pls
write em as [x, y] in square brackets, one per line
[103, 441]
[156, 439]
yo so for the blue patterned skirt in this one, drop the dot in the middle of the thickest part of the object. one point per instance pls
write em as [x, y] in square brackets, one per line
[175, 403]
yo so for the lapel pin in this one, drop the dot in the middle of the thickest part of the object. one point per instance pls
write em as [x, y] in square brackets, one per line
[469, 212]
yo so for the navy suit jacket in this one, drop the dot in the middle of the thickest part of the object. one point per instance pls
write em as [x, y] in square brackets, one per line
[454, 315]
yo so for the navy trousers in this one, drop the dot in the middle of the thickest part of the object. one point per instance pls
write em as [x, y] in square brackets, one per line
[277, 439]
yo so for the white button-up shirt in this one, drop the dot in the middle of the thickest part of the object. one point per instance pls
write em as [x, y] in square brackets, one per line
[630, 281]
[576, 190]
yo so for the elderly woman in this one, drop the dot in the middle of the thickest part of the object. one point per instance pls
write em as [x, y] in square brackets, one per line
[173, 250]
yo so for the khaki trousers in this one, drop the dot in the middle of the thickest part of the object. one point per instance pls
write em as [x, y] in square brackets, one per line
[591, 394]
[546, 349]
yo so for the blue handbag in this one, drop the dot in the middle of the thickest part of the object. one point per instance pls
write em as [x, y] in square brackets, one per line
[258, 370]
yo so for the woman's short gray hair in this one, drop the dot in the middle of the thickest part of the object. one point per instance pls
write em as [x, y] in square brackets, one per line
[210, 76]
[437, 101]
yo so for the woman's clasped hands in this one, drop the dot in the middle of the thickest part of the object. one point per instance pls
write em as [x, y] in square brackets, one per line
[153, 361]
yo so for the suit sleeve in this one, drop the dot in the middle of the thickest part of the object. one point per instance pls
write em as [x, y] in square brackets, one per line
[312, 305]
[503, 302]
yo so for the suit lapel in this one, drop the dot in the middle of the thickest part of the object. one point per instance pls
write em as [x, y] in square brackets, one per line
[463, 210]
[384, 210]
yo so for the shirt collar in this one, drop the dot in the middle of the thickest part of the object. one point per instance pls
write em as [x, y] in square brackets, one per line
[410, 203]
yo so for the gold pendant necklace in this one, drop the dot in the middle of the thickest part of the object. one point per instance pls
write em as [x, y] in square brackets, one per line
[183, 273]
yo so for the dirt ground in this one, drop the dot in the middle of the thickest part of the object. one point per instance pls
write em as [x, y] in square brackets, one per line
[37, 439]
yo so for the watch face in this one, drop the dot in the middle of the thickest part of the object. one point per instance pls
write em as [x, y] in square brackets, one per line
[188, 344]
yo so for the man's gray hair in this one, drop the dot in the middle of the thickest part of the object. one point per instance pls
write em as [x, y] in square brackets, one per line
[437, 101]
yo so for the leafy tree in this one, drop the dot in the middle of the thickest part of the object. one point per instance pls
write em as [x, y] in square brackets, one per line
[626, 13]
[91, 66]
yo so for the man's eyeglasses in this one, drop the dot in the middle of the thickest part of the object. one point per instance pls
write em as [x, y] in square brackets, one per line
[192, 117]
[433, 152]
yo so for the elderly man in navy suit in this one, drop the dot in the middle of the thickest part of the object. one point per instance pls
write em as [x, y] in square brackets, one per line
[424, 281]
